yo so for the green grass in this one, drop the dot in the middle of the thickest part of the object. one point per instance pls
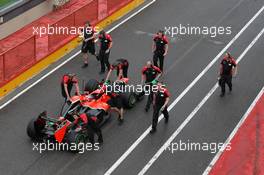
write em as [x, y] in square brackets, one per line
[5, 3]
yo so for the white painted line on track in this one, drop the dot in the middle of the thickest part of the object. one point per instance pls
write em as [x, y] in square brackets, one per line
[210, 166]
[70, 58]
[138, 141]
[192, 114]
[240, 123]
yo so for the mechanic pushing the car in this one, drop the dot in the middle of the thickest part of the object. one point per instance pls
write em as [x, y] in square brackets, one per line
[116, 103]
[150, 74]
[105, 44]
[160, 104]
[68, 80]
[228, 69]
[121, 67]
[92, 126]
[88, 45]
[160, 49]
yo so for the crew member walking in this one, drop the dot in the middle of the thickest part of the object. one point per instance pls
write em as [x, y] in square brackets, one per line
[106, 44]
[160, 49]
[150, 74]
[161, 100]
[228, 68]
[88, 43]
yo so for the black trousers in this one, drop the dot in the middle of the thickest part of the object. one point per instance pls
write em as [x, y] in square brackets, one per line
[156, 115]
[150, 96]
[149, 100]
[226, 79]
[158, 57]
[94, 128]
[104, 59]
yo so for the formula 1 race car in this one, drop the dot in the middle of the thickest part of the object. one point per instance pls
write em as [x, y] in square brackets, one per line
[93, 103]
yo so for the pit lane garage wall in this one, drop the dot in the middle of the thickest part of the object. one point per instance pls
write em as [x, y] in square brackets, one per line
[25, 53]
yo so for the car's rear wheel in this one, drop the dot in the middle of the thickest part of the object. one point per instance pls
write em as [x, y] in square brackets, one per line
[91, 85]
[32, 131]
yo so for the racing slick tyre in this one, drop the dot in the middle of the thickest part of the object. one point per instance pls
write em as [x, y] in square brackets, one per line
[75, 138]
[91, 85]
[32, 130]
[129, 99]
[107, 118]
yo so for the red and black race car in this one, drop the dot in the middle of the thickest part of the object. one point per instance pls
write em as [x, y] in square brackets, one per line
[93, 103]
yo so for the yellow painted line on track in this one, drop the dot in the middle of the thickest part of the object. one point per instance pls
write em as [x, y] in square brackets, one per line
[57, 55]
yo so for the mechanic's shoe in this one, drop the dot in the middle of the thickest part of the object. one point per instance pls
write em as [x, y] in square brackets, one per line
[230, 90]
[101, 72]
[166, 120]
[222, 94]
[146, 109]
[85, 65]
[120, 120]
[153, 130]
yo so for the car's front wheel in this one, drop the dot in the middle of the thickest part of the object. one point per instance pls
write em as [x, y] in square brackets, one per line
[129, 99]
[76, 140]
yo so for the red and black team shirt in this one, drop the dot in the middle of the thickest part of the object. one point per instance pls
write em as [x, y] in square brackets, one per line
[228, 65]
[160, 42]
[119, 64]
[105, 41]
[66, 79]
[151, 73]
[161, 96]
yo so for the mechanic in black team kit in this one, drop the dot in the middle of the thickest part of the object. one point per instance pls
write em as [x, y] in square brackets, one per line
[160, 49]
[106, 44]
[150, 74]
[160, 103]
[88, 43]
[116, 104]
[228, 68]
[68, 80]
[121, 67]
